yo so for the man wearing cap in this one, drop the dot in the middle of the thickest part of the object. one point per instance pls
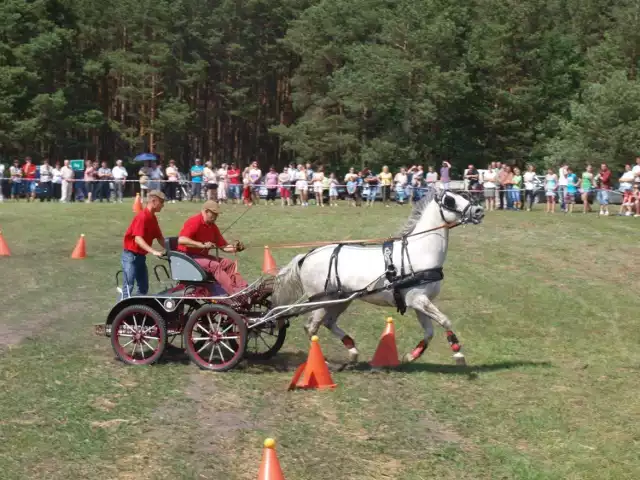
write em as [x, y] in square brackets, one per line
[199, 234]
[144, 229]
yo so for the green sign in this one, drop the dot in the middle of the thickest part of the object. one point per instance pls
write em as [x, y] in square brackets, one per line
[77, 164]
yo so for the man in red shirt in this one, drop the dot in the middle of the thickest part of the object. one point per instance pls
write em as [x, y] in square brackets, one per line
[604, 185]
[29, 174]
[233, 174]
[144, 229]
[198, 235]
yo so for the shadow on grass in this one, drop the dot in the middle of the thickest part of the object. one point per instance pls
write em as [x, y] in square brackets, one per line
[282, 362]
[468, 369]
[289, 361]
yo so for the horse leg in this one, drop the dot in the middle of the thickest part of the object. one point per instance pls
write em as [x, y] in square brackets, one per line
[347, 341]
[329, 318]
[421, 303]
[427, 326]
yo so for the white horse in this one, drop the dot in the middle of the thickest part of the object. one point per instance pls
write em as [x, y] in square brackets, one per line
[412, 263]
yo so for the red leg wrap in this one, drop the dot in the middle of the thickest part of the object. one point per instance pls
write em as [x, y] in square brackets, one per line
[419, 350]
[348, 342]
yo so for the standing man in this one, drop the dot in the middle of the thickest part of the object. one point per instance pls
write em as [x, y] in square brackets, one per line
[144, 229]
[29, 174]
[562, 185]
[67, 182]
[119, 180]
[104, 179]
[604, 185]
[196, 180]
[199, 234]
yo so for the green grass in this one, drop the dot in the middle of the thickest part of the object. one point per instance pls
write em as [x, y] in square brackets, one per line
[545, 306]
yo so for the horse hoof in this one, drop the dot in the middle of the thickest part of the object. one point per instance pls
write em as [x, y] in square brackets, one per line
[459, 358]
[353, 356]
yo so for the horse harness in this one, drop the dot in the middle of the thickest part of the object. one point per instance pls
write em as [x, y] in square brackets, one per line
[396, 282]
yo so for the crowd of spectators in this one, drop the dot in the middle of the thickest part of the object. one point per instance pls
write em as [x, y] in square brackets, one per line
[499, 186]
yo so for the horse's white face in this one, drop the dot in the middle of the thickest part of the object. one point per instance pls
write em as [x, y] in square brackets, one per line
[456, 208]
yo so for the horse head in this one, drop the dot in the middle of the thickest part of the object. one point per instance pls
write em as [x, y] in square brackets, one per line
[458, 207]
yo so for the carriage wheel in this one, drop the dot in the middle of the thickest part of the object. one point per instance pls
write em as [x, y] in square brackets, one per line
[138, 335]
[215, 337]
[264, 341]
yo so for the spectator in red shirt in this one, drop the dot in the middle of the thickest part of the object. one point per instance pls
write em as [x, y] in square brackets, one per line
[604, 185]
[144, 229]
[199, 234]
[233, 174]
[29, 174]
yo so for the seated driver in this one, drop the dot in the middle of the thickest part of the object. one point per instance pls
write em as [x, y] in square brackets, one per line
[199, 234]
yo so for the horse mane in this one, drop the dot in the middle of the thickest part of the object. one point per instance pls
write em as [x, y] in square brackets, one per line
[417, 211]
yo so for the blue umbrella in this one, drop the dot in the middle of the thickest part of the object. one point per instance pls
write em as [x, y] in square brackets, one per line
[146, 157]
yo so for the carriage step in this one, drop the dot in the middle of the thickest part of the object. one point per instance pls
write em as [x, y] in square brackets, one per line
[103, 330]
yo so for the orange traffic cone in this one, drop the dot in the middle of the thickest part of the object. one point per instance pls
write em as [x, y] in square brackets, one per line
[313, 373]
[270, 466]
[268, 264]
[137, 204]
[386, 354]
[81, 249]
[4, 248]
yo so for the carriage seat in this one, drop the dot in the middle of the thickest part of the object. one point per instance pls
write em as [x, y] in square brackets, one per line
[183, 268]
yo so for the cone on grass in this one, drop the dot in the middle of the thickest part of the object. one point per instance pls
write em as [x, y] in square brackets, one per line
[137, 204]
[269, 264]
[270, 466]
[313, 373]
[4, 248]
[80, 251]
[387, 353]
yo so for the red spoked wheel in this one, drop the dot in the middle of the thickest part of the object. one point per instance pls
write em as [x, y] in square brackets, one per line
[215, 337]
[138, 335]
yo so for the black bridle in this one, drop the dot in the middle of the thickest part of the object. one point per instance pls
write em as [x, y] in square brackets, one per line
[465, 214]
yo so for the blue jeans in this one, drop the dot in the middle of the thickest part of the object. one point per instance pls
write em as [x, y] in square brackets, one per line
[514, 193]
[234, 191]
[134, 269]
[562, 193]
[509, 195]
[603, 197]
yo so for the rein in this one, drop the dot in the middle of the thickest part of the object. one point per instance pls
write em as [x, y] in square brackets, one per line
[364, 241]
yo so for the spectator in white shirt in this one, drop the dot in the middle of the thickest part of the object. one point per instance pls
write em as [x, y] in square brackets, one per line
[67, 182]
[120, 175]
[562, 185]
[529, 178]
[104, 184]
[46, 174]
[222, 183]
[56, 185]
[211, 177]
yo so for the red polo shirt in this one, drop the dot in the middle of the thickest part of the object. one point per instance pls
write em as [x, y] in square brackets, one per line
[196, 229]
[145, 225]
[29, 170]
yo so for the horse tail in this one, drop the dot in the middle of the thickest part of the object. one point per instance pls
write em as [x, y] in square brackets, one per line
[287, 287]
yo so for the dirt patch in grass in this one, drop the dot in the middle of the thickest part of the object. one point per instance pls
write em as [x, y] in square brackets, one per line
[34, 321]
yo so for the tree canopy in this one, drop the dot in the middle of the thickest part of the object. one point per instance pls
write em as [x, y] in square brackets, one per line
[338, 82]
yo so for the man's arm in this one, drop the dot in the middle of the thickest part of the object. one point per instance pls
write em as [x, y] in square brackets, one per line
[187, 242]
[145, 246]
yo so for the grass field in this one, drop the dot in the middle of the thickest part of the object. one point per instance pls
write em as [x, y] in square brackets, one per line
[545, 306]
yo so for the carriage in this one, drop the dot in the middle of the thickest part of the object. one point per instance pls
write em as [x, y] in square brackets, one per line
[218, 330]
[215, 329]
